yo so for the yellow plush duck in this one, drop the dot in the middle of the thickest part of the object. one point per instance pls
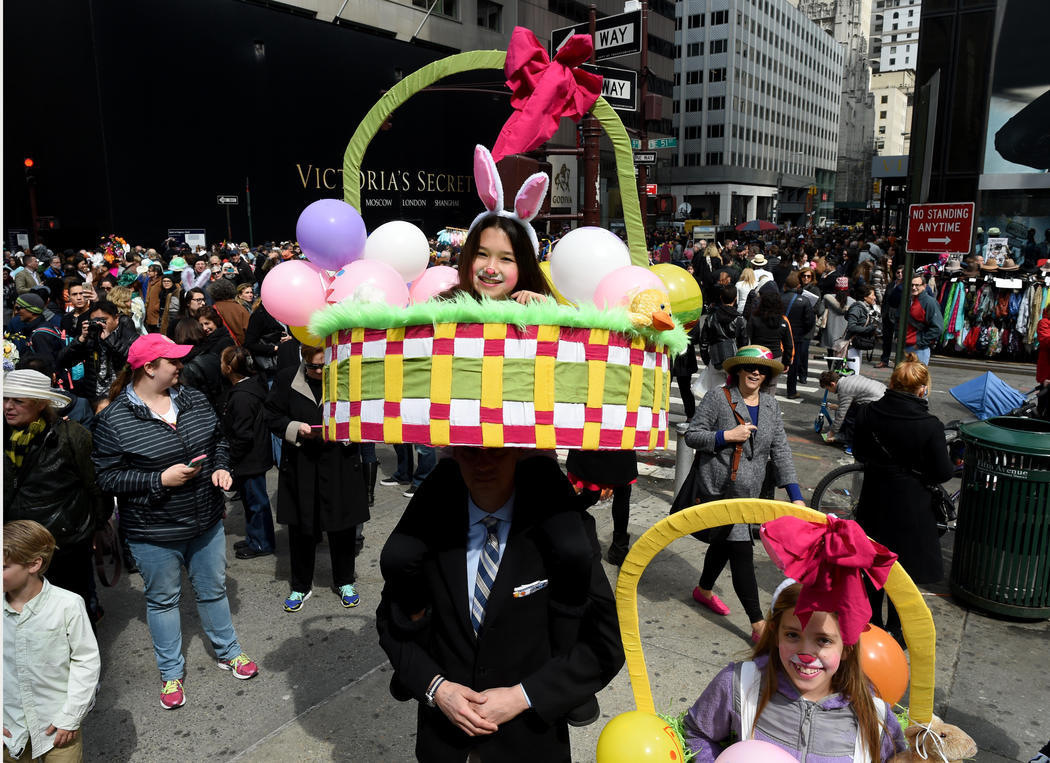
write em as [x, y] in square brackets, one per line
[649, 308]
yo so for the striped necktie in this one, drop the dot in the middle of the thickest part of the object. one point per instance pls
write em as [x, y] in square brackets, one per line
[488, 565]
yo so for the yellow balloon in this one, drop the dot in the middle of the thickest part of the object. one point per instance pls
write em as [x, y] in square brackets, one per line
[545, 267]
[638, 737]
[686, 299]
[302, 333]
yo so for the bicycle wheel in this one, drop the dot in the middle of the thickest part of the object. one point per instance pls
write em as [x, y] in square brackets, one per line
[839, 492]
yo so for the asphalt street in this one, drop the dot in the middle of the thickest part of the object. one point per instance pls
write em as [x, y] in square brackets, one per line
[322, 689]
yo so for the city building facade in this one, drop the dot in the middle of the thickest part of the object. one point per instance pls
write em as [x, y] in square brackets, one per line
[849, 23]
[894, 35]
[756, 112]
[893, 92]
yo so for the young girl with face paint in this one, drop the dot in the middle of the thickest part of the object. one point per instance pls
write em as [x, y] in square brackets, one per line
[803, 688]
[498, 261]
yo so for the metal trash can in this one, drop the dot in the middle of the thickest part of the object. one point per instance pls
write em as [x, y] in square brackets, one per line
[1001, 559]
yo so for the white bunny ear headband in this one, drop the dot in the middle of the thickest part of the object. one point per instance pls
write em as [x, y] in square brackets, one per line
[527, 203]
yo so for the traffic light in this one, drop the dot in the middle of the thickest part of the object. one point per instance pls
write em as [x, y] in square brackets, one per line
[29, 163]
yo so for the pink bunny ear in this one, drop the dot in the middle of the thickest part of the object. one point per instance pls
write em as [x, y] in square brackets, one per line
[490, 187]
[530, 198]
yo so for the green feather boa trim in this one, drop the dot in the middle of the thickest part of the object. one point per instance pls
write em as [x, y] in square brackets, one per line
[465, 309]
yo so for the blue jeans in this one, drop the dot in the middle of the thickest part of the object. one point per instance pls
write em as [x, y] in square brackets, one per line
[425, 462]
[404, 462]
[258, 520]
[923, 354]
[161, 566]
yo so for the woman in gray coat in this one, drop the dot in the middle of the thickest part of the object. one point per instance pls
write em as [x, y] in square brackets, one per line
[835, 305]
[736, 431]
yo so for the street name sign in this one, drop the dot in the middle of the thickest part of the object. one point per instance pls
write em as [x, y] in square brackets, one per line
[645, 157]
[614, 36]
[228, 199]
[636, 143]
[663, 143]
[935, 228]
[619, 86]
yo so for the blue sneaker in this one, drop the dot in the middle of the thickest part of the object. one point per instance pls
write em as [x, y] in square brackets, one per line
[295, 600]
[348, 595]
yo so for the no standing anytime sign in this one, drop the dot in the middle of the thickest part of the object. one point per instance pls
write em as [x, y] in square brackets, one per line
[940, 227]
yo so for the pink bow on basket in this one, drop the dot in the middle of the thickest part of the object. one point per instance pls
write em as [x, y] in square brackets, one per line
[544, 91]
[828, 559]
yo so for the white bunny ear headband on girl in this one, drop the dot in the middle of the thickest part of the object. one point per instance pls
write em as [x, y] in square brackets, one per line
[527, 203]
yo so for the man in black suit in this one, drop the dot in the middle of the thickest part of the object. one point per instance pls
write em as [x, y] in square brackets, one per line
[494, 690]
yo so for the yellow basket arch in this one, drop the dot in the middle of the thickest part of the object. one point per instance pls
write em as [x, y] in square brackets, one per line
[494, 59]
[916, 619]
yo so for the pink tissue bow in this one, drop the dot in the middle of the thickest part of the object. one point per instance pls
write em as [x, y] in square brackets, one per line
[544, 91]
[828, 559]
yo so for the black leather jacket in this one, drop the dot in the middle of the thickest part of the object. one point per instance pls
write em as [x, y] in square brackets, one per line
[56, 485]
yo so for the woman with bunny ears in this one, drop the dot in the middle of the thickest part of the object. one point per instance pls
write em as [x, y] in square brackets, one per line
[500, 256]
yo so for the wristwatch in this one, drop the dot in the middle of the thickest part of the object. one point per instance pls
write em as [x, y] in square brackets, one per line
[429, 695]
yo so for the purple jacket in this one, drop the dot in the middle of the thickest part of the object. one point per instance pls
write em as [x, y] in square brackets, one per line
[814, 732]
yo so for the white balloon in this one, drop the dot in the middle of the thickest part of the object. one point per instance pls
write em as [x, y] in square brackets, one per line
[582, 258]
[401, 245]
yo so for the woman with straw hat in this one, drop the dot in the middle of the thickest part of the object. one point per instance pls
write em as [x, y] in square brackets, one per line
[49, 478]
[737, 431]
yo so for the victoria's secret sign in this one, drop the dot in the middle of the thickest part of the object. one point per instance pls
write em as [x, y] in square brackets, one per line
[416, 188]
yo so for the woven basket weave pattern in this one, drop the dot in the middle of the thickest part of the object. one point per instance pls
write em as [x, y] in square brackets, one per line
[496, 385]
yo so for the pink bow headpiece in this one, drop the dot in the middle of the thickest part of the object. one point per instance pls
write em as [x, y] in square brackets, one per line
[544, 91]
[828, 559]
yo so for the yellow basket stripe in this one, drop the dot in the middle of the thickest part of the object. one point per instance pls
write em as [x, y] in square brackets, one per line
[439, 433]
[544, 378]
[441, 367]
[394, 368]
[492, 435]
[634, 391]
[627, 440]
[492, 373]
[916, 619]
[596, 372]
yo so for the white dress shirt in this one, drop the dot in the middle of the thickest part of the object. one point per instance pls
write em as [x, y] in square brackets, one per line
[51, 668]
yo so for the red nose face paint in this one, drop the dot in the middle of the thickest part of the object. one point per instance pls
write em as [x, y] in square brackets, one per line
[806, 659]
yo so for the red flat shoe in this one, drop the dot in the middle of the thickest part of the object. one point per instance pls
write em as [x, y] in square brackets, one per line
[715, 604]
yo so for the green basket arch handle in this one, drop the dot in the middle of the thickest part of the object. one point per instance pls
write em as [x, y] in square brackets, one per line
[494, 59]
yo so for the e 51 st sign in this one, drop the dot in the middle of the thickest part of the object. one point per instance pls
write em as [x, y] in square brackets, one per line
[935, 228]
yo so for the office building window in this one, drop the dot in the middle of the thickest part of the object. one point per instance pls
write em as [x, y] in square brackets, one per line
[719, 17]
[716, 131]
[885, 99]
[693, 104]
[716, 103]
[716, 75]
[718, 46]
[694, 77]
[692, 160]
[695, 49]
[490, 15]
[882, 115]
[448, 8]
[713, 157]
[882, 129]
[893, 61]
[692, 132]
[696, 20]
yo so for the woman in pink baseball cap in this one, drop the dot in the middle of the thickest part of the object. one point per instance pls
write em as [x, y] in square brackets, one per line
[160, 450]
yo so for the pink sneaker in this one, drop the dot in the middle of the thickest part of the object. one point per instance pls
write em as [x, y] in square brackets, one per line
[241, 666]
[172, 695]
[715, 604]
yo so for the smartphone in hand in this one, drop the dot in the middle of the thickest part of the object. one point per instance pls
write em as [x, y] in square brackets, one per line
[198, 461]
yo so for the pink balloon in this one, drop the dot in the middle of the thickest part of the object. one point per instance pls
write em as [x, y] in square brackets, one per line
[614, 290]
[433, 281]
[293, 290]
[755, 751]
[379, 279]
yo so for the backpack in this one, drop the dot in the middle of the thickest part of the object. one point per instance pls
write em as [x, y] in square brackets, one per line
[715, 346]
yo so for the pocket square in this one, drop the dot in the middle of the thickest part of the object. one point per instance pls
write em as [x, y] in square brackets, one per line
[529, 588]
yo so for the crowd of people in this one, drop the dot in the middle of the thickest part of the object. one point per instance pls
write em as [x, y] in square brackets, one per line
[154, 384]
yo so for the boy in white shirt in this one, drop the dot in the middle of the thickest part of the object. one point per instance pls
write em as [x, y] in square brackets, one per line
[51, 658]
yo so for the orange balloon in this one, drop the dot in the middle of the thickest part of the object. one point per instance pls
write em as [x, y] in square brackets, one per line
[884, 663]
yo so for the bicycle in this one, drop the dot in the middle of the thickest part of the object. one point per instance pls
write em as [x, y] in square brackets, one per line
[824, 417]
[839, 491]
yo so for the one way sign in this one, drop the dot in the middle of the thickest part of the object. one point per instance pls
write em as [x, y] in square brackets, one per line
[619, 86]
[618, 35]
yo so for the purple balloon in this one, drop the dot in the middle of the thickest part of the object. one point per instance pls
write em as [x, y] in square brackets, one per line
[331, 233]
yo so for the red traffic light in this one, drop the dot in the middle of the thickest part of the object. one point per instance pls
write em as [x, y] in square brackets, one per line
[28, 162]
